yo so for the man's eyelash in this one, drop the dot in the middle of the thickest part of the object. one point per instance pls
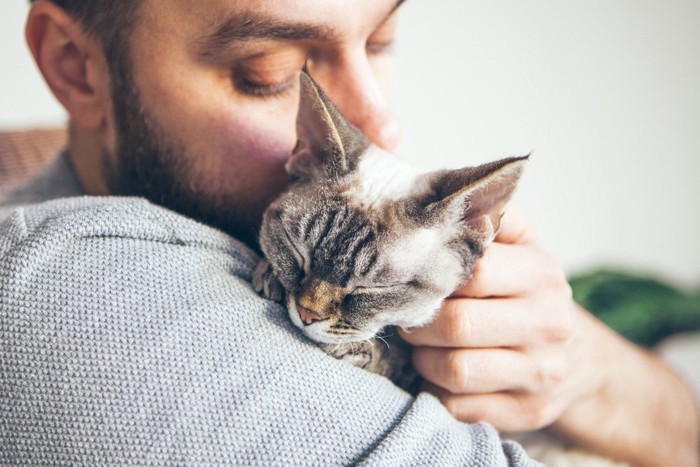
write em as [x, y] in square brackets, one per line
[265, 90]
[380, 47]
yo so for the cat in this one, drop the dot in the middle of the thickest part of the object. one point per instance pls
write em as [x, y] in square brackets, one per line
[360, 242]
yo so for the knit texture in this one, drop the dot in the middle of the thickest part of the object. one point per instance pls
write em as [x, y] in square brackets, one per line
[131, 335]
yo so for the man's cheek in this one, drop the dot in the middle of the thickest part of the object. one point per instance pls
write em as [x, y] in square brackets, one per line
[262, 143]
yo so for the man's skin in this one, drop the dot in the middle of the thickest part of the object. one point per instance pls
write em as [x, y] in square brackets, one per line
[510, 348]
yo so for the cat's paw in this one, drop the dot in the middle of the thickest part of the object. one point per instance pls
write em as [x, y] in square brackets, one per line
[265, 282]
[359, 354]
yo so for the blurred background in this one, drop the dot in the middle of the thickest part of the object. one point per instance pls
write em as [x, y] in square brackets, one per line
[606, 95]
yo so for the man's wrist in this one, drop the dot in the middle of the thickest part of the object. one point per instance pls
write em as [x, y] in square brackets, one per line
[638, 410]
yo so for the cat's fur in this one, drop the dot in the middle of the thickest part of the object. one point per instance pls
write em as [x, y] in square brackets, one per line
[360, 241]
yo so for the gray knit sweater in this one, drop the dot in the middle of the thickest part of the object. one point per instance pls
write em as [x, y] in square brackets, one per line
[131, 335]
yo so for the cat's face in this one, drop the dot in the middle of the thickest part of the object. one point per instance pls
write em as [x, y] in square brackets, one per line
[360, 241]
[349, 271]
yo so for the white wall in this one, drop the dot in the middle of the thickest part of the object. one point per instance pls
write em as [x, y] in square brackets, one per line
[606, 93]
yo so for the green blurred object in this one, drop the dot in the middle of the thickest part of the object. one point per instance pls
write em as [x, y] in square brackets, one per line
[643, 309]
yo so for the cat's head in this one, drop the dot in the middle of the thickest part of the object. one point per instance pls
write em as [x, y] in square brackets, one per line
[360, 241]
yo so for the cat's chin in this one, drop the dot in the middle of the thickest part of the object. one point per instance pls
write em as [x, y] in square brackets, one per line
[322, 338]
[319, 332]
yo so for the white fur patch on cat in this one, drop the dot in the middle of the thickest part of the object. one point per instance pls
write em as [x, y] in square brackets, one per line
[380, 176]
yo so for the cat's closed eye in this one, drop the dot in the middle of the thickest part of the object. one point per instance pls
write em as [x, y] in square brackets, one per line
[373, 300]
[385, 288]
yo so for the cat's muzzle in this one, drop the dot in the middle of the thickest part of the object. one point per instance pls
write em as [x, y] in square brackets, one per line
[309, 316]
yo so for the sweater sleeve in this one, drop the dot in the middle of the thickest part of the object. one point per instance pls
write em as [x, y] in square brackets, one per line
[129, 334]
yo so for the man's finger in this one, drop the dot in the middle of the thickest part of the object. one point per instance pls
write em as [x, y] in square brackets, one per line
[504, 410]
[515, 227]
[481, 323]
[508, 270]
[475, 371]
[478, 323]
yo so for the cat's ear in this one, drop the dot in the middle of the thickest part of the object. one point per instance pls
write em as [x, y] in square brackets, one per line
[475, 196]
[328, 145]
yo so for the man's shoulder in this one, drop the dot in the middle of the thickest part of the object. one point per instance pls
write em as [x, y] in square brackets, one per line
[131, 217]
[123, 261]
[68, 219]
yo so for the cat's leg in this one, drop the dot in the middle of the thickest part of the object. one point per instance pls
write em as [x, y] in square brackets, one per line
[396, 361]
[265, 282]
[389, 357]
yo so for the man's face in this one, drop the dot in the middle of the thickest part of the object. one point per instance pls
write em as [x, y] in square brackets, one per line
[208, 119]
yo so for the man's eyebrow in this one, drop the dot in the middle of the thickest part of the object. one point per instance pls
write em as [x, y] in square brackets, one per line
[249, 26]
[245, 27]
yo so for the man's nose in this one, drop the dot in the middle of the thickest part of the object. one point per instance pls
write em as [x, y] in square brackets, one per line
[356, 92]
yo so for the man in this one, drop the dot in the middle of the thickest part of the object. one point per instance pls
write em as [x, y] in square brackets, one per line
[129, 333]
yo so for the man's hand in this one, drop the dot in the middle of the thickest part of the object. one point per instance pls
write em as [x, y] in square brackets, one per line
[512, 348]
[500, 349]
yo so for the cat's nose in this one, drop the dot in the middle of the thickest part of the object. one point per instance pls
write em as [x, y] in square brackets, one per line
[309, 316]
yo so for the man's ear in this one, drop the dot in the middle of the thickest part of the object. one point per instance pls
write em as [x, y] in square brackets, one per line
[71, 61]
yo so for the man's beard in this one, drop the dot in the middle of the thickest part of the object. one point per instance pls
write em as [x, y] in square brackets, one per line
[149, 165]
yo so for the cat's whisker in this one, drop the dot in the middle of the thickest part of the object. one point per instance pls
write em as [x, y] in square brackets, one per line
[369, 341]
[383, 340]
